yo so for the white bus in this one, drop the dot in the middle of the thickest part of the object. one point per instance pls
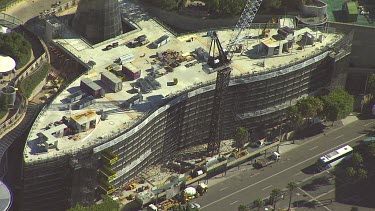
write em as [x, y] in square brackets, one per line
[333, 158]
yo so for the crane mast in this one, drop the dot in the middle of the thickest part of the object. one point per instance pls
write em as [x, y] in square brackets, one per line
[221, 64]
[244, 22]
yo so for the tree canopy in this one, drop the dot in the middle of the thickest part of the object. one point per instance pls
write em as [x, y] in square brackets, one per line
[337, 104]
[225, 7]
[108, 204]
[243, 208]
[259, 203]
[371, 84]
[240, 137]
[310, 107]
[14, 45]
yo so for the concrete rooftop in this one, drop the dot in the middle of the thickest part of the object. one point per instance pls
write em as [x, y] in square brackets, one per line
[118, 119]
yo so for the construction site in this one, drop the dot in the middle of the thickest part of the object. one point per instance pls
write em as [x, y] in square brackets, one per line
[121, 128]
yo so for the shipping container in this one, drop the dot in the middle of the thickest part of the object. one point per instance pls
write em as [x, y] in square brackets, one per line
[92, 88]
[111, 81]
[84, 102]
[125, 59]
[75, 96]
[161, 41]
[131, 71]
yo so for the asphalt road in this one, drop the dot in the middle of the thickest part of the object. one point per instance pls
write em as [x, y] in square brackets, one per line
[28, 9]
[247, 186]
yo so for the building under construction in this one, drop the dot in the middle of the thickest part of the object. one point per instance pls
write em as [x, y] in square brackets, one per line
[103, 154]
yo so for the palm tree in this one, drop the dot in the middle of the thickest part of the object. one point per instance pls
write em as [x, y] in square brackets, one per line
[242, 208]
[259, 203]
[362, 174]
[275, 194]
[291, 187]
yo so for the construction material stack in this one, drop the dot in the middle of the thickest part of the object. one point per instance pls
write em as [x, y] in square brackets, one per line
[110, 80]
[139, 41]
[171, 58]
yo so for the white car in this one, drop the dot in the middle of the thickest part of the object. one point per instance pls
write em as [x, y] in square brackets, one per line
[195, 205]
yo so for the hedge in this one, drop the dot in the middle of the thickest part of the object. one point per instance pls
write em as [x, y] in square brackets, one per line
[31, 82]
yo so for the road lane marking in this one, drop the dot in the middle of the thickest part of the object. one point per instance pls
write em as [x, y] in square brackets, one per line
[313, 148]
[223, 188]
[368, 123]
[298, 173]
[233, 202]
[267, 187]
[313, 198]
[255, 174]
[249, 186]
[339, 136]
[326, 193]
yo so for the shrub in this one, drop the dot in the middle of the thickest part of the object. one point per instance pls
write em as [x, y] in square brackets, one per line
[31, 82]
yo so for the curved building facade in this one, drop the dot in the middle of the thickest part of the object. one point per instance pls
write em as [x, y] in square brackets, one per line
[6, 199]
[251, 101]
[98, 20]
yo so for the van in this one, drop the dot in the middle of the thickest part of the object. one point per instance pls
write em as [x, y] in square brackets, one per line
[276, 155]
[152, 207]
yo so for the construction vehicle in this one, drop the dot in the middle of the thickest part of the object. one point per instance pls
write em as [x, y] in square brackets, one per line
[266, 31]
[152, 207]
[109, 68]
[202, 188]
[130, 186]
[167, 204]
[260, 163]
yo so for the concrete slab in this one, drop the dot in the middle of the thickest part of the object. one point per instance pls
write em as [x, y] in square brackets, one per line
[144, 57]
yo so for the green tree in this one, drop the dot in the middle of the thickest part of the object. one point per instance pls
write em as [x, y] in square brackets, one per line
[78, 207]
[14, 45]
[225, 7]
[259, 203]
[271, 4]
[356, 160]
[169, 4]
[337, 105]
[362, 174]
[371, 84]
[242, 208]
[240, 137]
[350, 172]
[275, 196]
[291, 187]
[295, 117]
[4, 103]
[370, 149]
[310, 107]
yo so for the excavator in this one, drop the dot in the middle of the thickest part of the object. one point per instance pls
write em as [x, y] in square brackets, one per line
[266, 30]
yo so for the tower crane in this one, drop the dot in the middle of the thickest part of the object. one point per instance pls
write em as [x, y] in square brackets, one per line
[221, 64]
